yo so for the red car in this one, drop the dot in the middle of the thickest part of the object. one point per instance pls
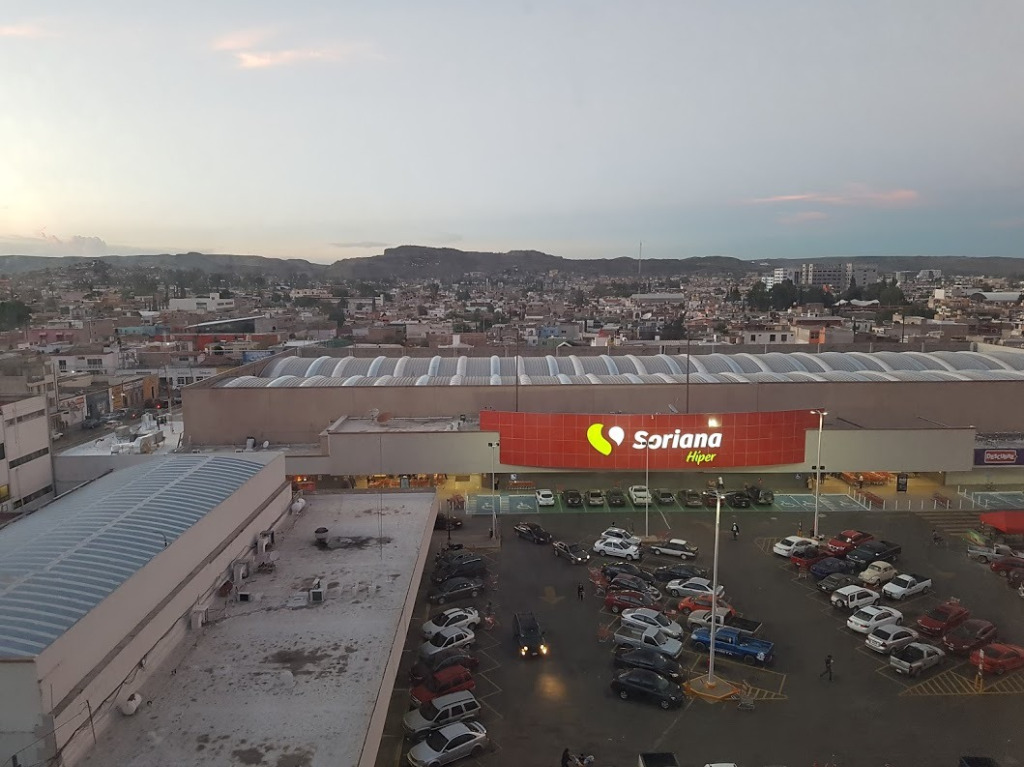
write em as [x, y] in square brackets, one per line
[943, 618]
[999, 658]
[847, 541]
[617, 601]
[804, 558]
[689, 605]
[1006, 565]
[451, 679]
[969, 635]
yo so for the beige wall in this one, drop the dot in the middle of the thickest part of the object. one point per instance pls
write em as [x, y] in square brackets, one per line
[23, 725]
[101, 650]
[298, 415]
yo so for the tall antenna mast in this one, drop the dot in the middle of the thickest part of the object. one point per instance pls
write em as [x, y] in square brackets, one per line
[639, 266]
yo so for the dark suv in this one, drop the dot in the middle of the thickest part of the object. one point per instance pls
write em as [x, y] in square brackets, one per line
[875, 551]
[615, 497]
[573, 498]
[465, 568]
[529, 636]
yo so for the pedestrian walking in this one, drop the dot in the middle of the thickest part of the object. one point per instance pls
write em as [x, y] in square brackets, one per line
[566, 758]
[800, 527]
[735, 531]
[828, 668]
[580, 591]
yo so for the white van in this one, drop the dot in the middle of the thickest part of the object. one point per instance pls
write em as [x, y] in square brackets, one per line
[445, 709]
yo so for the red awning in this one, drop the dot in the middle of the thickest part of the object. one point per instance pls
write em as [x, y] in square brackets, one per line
[1006, 522]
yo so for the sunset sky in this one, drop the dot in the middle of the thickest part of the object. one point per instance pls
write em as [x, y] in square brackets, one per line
[330, 130]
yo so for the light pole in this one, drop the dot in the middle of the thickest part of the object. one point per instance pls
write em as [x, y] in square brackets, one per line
[687, 371]
[714, 588]
[817, 468]
[494, 500]
[647, 484]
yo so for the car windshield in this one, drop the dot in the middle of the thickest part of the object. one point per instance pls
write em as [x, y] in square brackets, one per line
[439, 640]
[901, 580]
[910, 653]
[428, 711]
[938, 614]
[436, 741]
[862, 615]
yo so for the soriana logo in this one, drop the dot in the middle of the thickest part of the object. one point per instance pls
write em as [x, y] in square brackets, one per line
[652, 441]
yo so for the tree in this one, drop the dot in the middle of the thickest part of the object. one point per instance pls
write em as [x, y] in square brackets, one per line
[13, 314]
[421, 311]
[784, 295]
[337, 313]
[675, 329]
[758, 298]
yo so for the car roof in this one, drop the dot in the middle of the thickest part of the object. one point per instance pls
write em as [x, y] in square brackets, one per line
[452, 697]
[450, 630]
[698, 579]
[455, 729]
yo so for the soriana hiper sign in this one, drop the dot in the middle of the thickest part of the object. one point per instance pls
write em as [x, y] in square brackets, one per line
[658, 442]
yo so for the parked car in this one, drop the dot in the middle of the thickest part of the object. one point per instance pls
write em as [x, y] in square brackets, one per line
[615, 497]
[531, 531]
[1005, 565]
[888, 639]
[855, 597]
[679, 572]
[646, 617]
[712, 497]
[831, 565]
[943, 618]
[836, 581]
[451, 679]
[452, 656]
[737, 499]
[726, 617]
[572, 552]
[467, 567]
[906, 585]
[640, 495]
[990, 553]
[690, 498]
[649, 638]
[621, 535]
[877, 573]
[867, 619]
[456, 588]
[529, 635]
[805, 558]
[613, 547]
[449, 743]
[847, 541]
[573, 498]
[595, 497]
[643, 684]
[442, 710]
[92, 423]
[695, 587]
[735, 644]
[785, 547]
[998, 658]
[445, 521]
[875, 551]
[915, 658]
[446, 639]
[969, 635]
[545, 498]
[466, 617]
[613, 570]
[664, 497]
[631, 583]
[646, 658]
[760, 496]
[674, 547]
[617, 601]
[692, 604]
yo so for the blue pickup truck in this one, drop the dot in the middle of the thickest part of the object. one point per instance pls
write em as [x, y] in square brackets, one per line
[735, 644]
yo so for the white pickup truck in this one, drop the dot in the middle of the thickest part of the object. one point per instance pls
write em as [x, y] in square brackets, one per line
[992, 553]
[652, 639]
[906, 585]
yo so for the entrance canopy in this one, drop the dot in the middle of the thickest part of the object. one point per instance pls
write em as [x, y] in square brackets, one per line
[1006, 522]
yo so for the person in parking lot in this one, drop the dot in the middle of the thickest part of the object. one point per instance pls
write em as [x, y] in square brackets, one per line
[580, 591]
[735, 530]
[566, 758]
[828, 668]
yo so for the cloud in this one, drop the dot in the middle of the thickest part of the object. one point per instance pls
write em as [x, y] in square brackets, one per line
[803, 217]
[51, 245]
[361, 244]
[250, 50]
[28, 31]
[242, 39]
[853, 195]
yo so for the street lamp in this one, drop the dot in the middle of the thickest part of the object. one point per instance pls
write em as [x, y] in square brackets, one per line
[817, 468]
[714, 581]
[494, 500]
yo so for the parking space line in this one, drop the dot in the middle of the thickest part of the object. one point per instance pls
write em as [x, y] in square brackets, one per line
[948, 682]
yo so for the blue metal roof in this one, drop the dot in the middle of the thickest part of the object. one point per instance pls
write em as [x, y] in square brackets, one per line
[60, 562]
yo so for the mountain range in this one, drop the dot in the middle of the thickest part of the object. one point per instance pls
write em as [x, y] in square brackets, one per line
[450, 264]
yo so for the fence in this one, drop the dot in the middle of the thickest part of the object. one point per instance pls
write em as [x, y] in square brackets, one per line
[936, 502]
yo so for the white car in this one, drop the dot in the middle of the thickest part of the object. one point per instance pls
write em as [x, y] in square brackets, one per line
[887, 639]
[878, 573]
[621, 535]
[613, 547]
[675, 547]
[852, 597]
[446, 638]
[867, 619]
[455, 617]
[693, 587]
[451, 742]
[788, 545]
[645, 618]
[640, 495]
[545, 498]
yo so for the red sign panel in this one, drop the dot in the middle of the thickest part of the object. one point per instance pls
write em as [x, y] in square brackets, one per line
[1001, 456]
[659, 442]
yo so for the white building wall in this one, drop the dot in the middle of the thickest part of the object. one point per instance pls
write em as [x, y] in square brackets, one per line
[22, 438]
[150, 612]
[23, 725]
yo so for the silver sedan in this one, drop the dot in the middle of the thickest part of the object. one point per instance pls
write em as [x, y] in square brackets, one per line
[451, 742]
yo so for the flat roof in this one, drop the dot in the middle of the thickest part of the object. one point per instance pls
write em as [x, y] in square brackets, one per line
[279, 681]
[348, 425]
[58, 563]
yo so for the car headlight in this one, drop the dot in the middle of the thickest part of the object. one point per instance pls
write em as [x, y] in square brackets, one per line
[543, 649]
[522, 651]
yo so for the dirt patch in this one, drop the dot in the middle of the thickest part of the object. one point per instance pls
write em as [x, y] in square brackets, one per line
[300, 758]
[297, 660]
[353, 542]
[248, 755]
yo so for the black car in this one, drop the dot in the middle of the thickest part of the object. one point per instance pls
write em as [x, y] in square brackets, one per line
[833, 565]
[529, 635]
[573, 552]
[737, 499]
[836, 581]
[679, 572]
[652, 660]
[573, 498]
[760, 497]
[454, 589]
[442, 659]
[447, 522]
[875, 551]
[613, 570]
[690, 498]
[92, 423]
[664, 497]
[643, 684]
[446, 558]
[531, 531]
[471, 567]
[615, 497]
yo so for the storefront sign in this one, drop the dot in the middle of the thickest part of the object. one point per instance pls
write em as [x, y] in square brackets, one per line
[1006, 456]
[658, 442]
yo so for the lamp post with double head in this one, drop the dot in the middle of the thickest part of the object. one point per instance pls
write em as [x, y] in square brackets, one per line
[817, 468]
[714, 424]
[494, 499]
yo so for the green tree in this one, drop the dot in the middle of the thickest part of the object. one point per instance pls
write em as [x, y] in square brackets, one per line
[784, 295]
[337, 313]
[758, 298]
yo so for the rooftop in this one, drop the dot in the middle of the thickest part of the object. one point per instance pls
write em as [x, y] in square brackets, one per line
[277, 680]
[58, 563]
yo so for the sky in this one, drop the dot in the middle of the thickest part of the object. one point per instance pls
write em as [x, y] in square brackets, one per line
[791, 128]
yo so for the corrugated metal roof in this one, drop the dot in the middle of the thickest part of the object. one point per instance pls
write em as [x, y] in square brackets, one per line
[60, 562]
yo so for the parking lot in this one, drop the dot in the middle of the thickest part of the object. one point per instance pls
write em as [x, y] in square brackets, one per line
[867, 716]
